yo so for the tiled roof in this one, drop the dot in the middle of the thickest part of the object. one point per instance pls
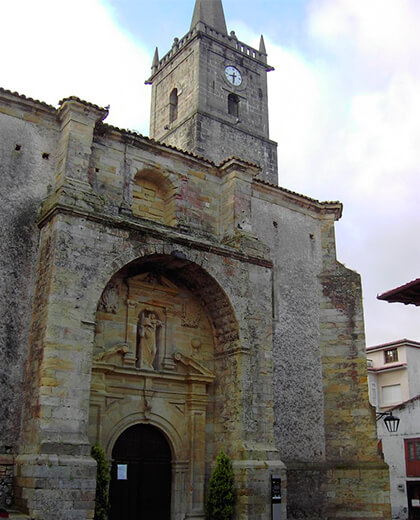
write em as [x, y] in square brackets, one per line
[397, 343]
[154, 141]
[87, 103]
[290, 192]
[26, 98]
[408, 293]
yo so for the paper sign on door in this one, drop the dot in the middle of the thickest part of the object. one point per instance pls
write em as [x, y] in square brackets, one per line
[121, 471]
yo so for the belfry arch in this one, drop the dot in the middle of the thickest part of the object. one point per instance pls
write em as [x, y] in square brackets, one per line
[162, 324]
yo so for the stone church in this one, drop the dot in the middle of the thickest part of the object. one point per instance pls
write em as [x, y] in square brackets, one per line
[163, 296]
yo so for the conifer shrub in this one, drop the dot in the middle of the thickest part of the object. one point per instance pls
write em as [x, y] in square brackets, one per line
[221, 494]
[102, 483]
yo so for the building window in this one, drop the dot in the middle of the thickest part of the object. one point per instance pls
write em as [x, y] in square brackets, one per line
[391, 394]
[391, 355]
[233, 105]
[412, 457]
[173, 105]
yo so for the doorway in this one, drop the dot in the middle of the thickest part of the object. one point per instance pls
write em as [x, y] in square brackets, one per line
[413, 492]
[141, 475]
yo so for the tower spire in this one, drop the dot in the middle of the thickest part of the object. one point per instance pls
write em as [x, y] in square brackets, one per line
[262, 45]
[210, 12]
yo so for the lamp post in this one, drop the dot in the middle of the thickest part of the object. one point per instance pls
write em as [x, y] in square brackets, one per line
[391, 422]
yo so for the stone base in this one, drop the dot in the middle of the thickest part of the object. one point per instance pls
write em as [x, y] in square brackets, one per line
[359, 490]
[253, 485]
[6, 479]
[327, 491]
[54, 486]
[15, 515]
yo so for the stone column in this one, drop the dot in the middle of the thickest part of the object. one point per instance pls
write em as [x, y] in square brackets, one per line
[179, 480]
[169, 347]
[78, 120]
[131, 326]
[55, 473]
[196, 406]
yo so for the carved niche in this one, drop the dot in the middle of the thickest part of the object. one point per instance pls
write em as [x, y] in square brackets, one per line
[110, 298]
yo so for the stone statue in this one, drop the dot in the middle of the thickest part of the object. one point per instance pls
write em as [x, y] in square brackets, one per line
[147, 339]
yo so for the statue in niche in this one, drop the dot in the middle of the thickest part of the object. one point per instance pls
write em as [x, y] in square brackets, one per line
[148, 338]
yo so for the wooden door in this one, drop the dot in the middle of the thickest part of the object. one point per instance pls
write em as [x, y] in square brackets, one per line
[141, 475]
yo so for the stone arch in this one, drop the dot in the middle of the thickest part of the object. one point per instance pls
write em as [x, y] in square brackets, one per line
[154, 196]
[173, 105]
[191, 274]
[181, 394]
[142, 474]
[126, 421]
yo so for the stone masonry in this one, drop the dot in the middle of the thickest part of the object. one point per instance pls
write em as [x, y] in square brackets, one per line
[181, 290]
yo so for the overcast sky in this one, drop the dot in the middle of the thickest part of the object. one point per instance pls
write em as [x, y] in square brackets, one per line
[344, 105]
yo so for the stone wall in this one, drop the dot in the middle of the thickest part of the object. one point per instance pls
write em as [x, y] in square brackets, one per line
[286, 319]
[27, 151]
[325, 428]
[6, 480]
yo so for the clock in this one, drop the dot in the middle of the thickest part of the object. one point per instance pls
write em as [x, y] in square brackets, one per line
[233, 75]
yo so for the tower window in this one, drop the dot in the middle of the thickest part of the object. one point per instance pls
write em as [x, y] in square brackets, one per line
[233, 105]
[173, 105]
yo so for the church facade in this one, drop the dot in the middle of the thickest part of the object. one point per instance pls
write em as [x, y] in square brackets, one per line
[165, 298]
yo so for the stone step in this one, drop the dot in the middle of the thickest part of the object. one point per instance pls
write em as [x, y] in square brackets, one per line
[16, 515]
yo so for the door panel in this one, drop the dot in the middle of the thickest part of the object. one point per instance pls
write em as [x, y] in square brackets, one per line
[146, 493]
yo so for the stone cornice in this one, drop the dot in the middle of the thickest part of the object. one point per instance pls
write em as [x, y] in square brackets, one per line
[148, 228]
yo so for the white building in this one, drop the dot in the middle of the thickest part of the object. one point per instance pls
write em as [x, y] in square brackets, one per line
[393, 370]
[394, 385]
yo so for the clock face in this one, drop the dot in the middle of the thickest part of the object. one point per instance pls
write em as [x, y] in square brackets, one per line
[233, 75]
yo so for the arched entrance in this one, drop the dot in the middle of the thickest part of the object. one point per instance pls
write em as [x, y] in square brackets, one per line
[163, 328]
[141, 475]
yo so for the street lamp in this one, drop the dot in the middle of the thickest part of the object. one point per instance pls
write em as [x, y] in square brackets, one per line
[391, 422]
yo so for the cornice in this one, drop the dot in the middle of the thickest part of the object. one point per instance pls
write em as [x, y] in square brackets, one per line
[151, 229]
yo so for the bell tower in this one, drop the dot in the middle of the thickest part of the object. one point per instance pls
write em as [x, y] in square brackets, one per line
[209, 94]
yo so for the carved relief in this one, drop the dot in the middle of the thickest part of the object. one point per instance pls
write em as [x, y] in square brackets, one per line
[110, 298]
[149, 333]
[191, 316]
[114, 356]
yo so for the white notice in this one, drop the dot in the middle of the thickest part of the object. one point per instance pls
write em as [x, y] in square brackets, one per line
[121, 471]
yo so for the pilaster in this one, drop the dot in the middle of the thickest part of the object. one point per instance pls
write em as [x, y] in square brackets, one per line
[77, 124]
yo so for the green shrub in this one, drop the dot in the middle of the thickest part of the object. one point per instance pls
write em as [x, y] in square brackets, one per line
[102, 483]
[221, 495]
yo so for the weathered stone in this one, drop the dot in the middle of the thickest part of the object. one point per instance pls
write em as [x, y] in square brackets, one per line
[147, 286]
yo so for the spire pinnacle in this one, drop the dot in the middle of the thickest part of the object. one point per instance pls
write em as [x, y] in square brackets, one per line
[155, 62]
[210, 12]
[262, 45]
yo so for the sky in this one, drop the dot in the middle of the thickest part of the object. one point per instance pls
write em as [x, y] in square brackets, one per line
[344, 103]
